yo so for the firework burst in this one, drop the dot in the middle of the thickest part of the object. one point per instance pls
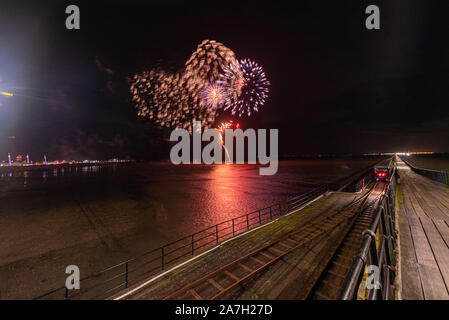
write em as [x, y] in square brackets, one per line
[212, 79]
[174, 100]
[228, 125]
[205, 66]
[208, 61]
[232, 79]
[165, 98]
[214, 96]
[250, 83]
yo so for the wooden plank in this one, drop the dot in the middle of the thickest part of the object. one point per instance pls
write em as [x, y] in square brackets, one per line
[257, 260]
[215, 284]
[433, 285]
[276, 250]
[295, 238]
[439, 248]
[272, 281]
[427, 202]
[443, 202]
[423, 251]
[268, 256]
[281, 280]
[437, 199]
[443, 229]
[408, 208]
[443, 197]
[414, 202]
[231, 275]
[195, 294]
[435, 185]
[432, 281]
[245, 267]
[285, 245]
[411, 287]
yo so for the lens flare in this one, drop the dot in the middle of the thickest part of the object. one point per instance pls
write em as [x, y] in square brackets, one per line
[6, 94]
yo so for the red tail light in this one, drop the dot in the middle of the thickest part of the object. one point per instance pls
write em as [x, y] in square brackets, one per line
[381, 174]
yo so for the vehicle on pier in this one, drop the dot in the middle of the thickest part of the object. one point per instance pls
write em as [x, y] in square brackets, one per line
[384, 170]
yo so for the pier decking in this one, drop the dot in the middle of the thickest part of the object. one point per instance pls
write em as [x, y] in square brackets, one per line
[423, 222]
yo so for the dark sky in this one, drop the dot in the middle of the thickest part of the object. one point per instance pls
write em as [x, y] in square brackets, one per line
[336, 87]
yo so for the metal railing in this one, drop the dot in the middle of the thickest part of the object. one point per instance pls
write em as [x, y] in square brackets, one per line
[377, 250]
[121, 276]
[440, 176]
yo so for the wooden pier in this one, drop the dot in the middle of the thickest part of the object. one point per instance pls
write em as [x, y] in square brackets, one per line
[423, 224]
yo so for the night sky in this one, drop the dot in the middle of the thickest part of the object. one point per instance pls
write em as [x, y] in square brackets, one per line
[336, 86]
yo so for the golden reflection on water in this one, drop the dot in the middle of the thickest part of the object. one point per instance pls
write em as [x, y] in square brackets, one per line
[226, 192]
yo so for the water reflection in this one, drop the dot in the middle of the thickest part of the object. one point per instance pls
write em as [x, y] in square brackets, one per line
[222, 188]
[158, 202]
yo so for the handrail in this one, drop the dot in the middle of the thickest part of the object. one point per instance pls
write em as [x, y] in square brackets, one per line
[380, 256]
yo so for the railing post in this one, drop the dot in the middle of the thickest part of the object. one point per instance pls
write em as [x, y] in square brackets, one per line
[260, 218]
[193, 245]
[383, 223]
[392, 228]
[389, 253]
[386, 283]
[387, 205]
[162, 258]
[126, 274]
[373, 252]
[233, 230]
[216, 231]
[247, 222]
